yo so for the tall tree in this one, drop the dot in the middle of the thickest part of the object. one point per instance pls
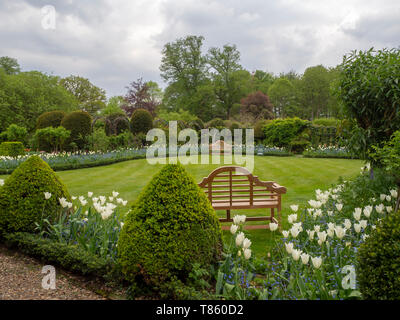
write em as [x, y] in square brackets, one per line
[224, 72]
[141, 95]
[261, 81]
[315, 91]
[282, 95]
[10, 65]
[183, 67]
[90, 97]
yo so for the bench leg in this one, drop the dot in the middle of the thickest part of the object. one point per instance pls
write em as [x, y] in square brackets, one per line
[228, 214]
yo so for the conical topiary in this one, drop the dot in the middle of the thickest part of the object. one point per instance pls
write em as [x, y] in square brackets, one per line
[22, 199]
[171, 226]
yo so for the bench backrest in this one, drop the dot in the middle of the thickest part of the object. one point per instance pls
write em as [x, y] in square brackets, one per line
[236, 184]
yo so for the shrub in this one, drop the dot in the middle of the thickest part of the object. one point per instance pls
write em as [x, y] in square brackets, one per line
[80, 125]
[326, 122]
[299, 145]
[16, 133]
[50, 119]
[116, 123]
[51, 139]
[123, 140]
[171, 226]
[379, 261]
[216, 123]
[259, 129]
[281, 132]
[22, 201]
[141, 121]
[12, 149]
[69, 257]
[99, 141]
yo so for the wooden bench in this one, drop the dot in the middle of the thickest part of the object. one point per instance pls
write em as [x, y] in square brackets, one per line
[232, 187]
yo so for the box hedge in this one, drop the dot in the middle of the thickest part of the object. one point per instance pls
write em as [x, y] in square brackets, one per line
[80, 125]
[378, 261]
[141, 121]
[22, 201]
[12, 149]
[171, 226]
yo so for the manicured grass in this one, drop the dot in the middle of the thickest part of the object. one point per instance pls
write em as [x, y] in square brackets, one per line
[301, 176]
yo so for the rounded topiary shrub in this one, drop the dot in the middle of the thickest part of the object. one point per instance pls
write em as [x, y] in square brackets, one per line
[116, 123]
[141, 121]
[378, 261]
[171, 226]
[22, 200]
[80, 125]
[50, 119]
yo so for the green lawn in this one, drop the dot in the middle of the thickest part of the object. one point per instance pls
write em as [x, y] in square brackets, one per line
[301, 176]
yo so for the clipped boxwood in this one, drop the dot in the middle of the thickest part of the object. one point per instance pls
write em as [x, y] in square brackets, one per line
[50, 119]
[171, 226]
[141, 121]
[378, 261]
[281, 132]
[12, 149]
[22, 201]
[80, 125]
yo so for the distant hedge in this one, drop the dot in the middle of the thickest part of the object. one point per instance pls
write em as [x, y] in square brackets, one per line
[80, 125]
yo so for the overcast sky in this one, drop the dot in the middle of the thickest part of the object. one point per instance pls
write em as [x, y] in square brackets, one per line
[113, 42]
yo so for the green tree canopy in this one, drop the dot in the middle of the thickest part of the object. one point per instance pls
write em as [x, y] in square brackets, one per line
[26, 95]
[90, 97]
[9, 65]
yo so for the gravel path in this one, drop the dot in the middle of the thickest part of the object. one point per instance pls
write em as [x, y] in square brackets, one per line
[21, 279]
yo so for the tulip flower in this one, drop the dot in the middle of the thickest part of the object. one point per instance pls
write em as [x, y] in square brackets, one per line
[304, 258]
[339, 206]
[234, 228]
[285, 233]
[294, 207]
[389, 209]
[47, 195]
[357, 213]
[317, 261]
[247, 254]
[289, 247]
[296, 254]
[383, 197]
[347, 223]
[1, 182]
[357, 227]
[273, 226]
[239, 239]
[246, 243]
[340, 232]
[393, 193]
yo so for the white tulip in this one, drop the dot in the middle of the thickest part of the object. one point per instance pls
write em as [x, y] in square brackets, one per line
[317, 261]
[388, 198]
[292, 218]
[383, 197]
[340, 232]
[273, 226]
[289, 247]
[357, 213]
[357, 227]
[47, 195]
[322, 236]
[347, 223]
[294, 232]
[296, 254]
[115, 194]
[234, 228]
[90, 194]
[380, 208]
[239, 219]
[365, 236]
[339, 206]
[294, 207]
[304, 258]
[1, 182]
[317, 228]
[393, 193]
[239, 239]
[247, 254]
[367, 211]
[311, 234]
[285, 233]
[389, 209]
[363, 223]
[246, 243]
[330, 233]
